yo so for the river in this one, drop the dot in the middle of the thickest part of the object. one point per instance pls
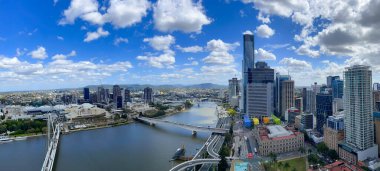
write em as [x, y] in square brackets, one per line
[132, 147]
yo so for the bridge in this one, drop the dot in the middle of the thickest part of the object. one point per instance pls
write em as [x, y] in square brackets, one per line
[52, 144]
[193, 128]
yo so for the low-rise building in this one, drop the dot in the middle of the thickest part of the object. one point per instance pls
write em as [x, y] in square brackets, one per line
[278, 139]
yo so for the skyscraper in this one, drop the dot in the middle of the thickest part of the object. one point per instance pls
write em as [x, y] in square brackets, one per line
[260, 91]
[287, 96]
[248, 65]
[337, 88]
[277, 92]
[304, 99]
[127, 95]
[233, 89]
[101, 95]
[148, 95]
[86, 94]
[310, 101]
[358, 120]
[324, 109]
[116, 92]
[330, 80]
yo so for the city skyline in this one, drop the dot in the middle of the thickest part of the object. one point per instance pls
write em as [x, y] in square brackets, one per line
[66, 46]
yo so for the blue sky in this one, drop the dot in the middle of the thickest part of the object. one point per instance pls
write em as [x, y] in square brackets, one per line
[62, 43]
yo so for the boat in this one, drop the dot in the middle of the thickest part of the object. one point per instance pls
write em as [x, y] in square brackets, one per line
[5, 139]
[20, 138]
[179, 153]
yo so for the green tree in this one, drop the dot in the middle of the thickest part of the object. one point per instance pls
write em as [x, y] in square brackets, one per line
[116, 117]
[322, 148]
[286, 166]
[333, 154]
[294, 169]
[273, 156]
[222, 165]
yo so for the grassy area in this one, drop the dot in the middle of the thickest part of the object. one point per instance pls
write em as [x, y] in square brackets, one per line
[298, 164]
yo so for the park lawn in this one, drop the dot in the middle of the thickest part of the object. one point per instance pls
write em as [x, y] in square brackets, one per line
[299, 164]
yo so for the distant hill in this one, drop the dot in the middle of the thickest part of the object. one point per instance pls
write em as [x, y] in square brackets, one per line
[165, 86]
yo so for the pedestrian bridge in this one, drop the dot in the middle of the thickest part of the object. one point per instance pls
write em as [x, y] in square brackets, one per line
[193, 128]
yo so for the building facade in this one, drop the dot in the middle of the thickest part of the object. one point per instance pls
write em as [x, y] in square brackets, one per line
[148, 95]
[287, 96]
[86, 94]
[260, 91]
[116, 92]
[358, 108]
[233, 89]
[277, 92]
[278, 139]
[248, 65]
[324, 110]
[334, 131]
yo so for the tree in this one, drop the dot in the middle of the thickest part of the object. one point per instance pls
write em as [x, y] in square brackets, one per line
[286, 166]
[273, 156]
[294, 169]
[322, 148]
[231, 112]
[302, 150]
[222, 165]
[333, 154]
[116, 117]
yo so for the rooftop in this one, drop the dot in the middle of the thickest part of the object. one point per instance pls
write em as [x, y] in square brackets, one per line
[278, 131]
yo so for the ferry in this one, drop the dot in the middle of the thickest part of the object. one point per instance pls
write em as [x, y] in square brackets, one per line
[5, 139]
[179, 153]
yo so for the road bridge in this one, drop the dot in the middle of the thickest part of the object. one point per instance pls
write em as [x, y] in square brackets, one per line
[193, 128]
[53, 141]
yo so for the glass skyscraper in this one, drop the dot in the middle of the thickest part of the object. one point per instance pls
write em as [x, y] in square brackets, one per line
[248, 65]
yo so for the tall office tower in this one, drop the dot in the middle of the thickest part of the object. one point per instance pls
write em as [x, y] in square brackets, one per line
[307, 121]
[358, 120]
[248, 65]
[310, 101]
[304, 99]
[260, 91]
[324, 109]
[127, 95]
[337, 88]
[86, 94]
[116, 92]
[316, 88]
[287, 96]
[233, 89]
[298, 103]
[376, 86]
[107, 95]
[277, 92]
[148, 95]
[101, 95]
[330, 80]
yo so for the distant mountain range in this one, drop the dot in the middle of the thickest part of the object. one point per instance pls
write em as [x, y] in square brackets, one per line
[165, 86]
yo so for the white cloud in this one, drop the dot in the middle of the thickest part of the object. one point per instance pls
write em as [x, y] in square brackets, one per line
[90, 36]
[168, 76]
[192, 49]
[60, 38]
[120, 13]
[193, 63]
[119, 40]
[165, 60]
[125, 13]
[262, 54]
[63, 57]
[179, 15]
[219, 52]
[247, 32]
[296, 64]
[160, 42]
[263, 19]
[264, 31]
[219, 70]
[39, 53]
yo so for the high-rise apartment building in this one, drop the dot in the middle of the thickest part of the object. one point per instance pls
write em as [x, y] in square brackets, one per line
[287, 96]
[358, 121]
[260, 91]
[248, 65]
[148, 95]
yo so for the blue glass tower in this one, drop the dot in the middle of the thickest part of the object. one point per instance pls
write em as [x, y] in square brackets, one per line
[337, 86]
[324, 109]
[86, 93]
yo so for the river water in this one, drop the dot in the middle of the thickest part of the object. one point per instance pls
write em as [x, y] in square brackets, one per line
[132, 147]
